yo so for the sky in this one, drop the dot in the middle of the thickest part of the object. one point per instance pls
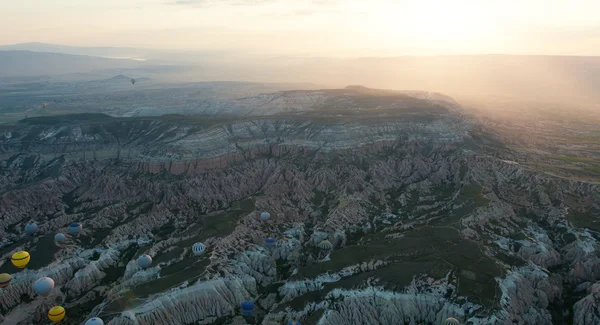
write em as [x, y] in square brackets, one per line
[341, 28]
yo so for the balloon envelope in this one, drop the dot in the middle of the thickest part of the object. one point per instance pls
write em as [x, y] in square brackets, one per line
[5, 279]
[132, 81]
[30, 228]
[56, 314]
[60, 238]
[144, 261]
[94, 321]
[325, 245]
[75, 228]
[20, 259]
[451, 321]
[198, 249]
[293, 322]
[247, 306]
[43, 286]
[265, 216]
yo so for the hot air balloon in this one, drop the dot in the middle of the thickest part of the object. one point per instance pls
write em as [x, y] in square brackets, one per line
[44, 105]
[20, 259]
[5, 279]
[56, 314]
[247, 308]
[75, 228]
[451, 321]
[265, 216]
[198, 249]
[31, 228]
[94, 321]
[293, 322]
[270, 241]
[144, 261]
[132, 81]
[325, 245]
[60, 238]
[43, 286]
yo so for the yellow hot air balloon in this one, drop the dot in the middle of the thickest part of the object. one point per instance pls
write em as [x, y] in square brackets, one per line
[56, 314]
[20, 259]
[5, 279]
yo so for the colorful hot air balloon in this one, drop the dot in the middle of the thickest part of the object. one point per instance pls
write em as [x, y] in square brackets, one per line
[94, 321]
[75, 228]
[31, 228]
[20, 259]
[198, 249]
[293, 322]
[451, 321]
[5, 279]
[60, 238]
[132, 81]
[56, 314]
[43, 286]
[325, 245]
[265, 216]
[144, 261]
[247, 308]
[270, 241]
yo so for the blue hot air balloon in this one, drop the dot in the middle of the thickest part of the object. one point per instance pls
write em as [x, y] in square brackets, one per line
[75, 228]
[31, 228]
[144, 261]
[247, 308]
[198, 249]
[294, 322]
[60, 238]
[265, 216]
[270, 241]
[94, 321]
[43, 286]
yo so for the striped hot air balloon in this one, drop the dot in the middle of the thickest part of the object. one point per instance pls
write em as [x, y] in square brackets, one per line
[5, 279]
[270, 241]
[247, 308]
[20, 259]
[198, 249]
[325, 245]
[56, 314]
[451, 321]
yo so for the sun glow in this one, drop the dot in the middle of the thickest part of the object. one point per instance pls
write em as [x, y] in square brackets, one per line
[438, 25]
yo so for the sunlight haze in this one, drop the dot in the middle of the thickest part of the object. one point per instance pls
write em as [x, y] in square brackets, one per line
[312, 27]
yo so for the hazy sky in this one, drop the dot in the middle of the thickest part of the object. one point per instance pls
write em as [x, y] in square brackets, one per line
[312, 27]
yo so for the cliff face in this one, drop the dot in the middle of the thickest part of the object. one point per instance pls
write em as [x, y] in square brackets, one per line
[427, 219]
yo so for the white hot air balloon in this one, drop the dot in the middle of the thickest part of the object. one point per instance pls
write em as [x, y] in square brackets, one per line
[144, 261]
[265, 216]
[94, 321]
[43, 286]
[198, 249]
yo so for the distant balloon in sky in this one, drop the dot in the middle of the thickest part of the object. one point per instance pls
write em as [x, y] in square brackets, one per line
[75, 228]
[451, 321]
[293, 322]
[20, 259]
[5, 279]
[56, 314]
[144, 261]
[198, 249]
[247, 308]
[31, 228]
[265, 216]
[60, 238]
[132, 81]
[94, 321]
[44, 105]
[43, 286]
